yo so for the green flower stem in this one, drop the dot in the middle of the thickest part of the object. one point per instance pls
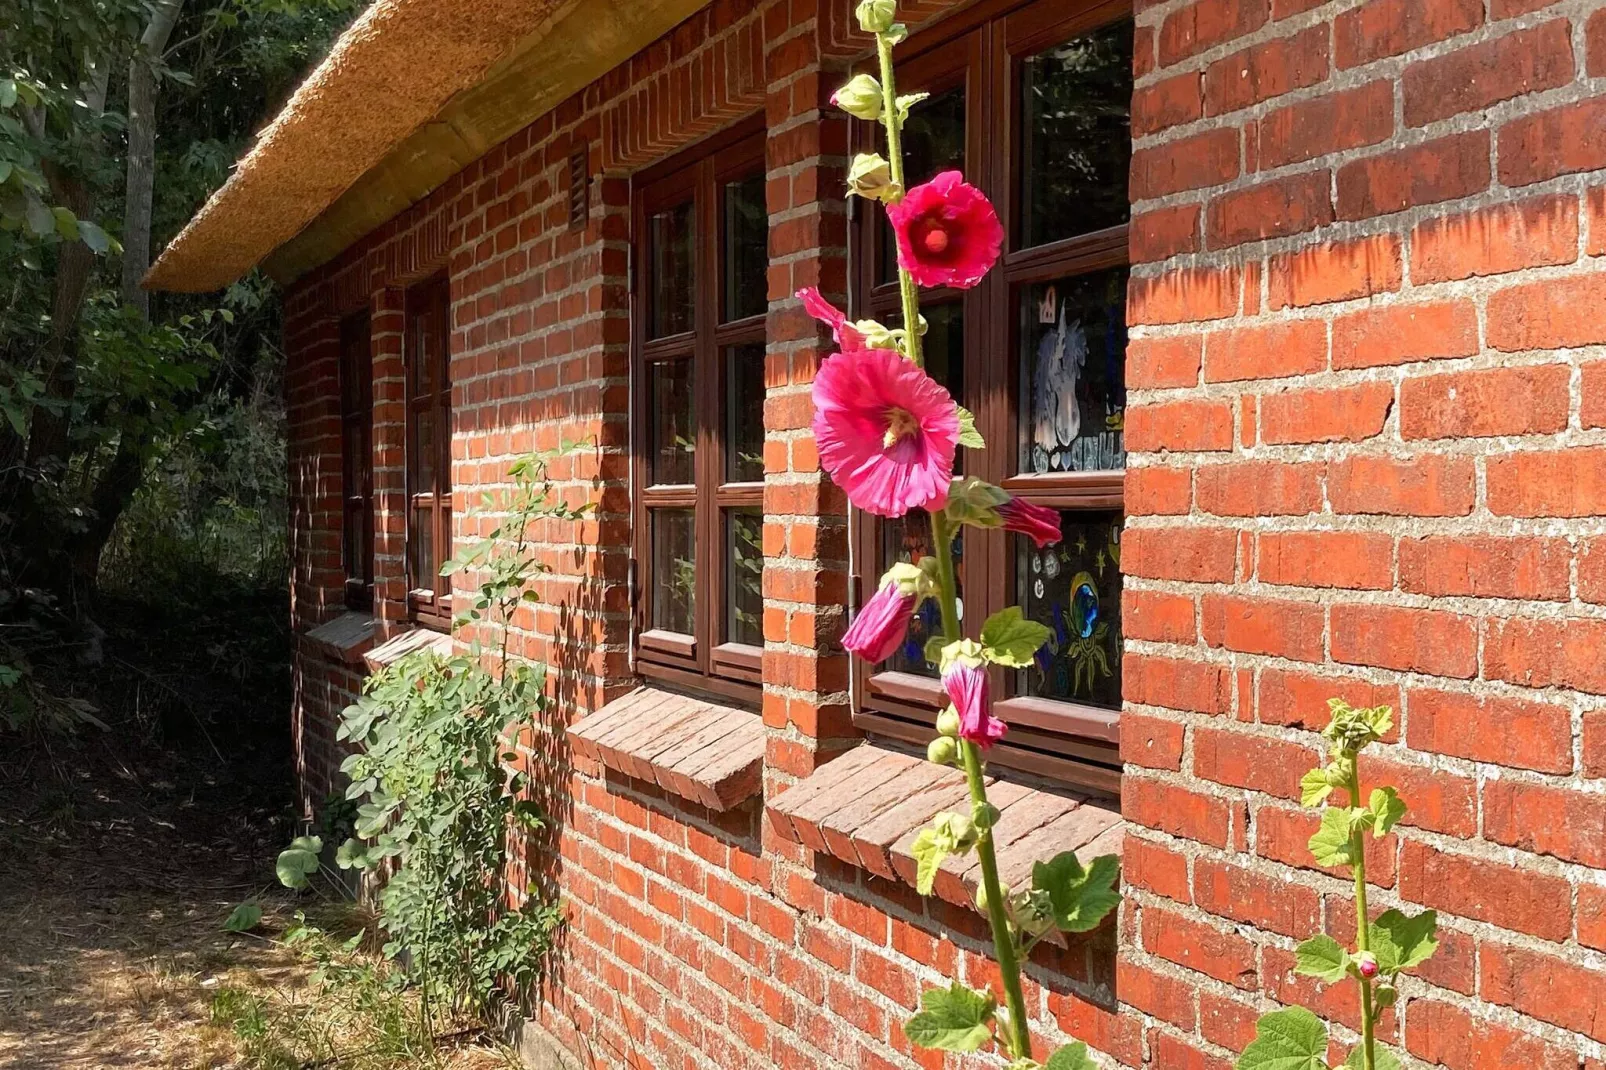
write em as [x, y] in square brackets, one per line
[1020, 1040]
[889, 119]
[1363, 936]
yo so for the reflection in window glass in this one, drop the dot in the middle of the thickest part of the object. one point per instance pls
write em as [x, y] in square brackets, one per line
[425, 447]
[933, 142]
[744, 576]
[1073, 373]
[674, 569]
[908, 538]
[943, 351]
[421, 543]
[1074, 588]
[674, 271]
[1076, 140]
[670, 428]
[744, 413]
[746, 261]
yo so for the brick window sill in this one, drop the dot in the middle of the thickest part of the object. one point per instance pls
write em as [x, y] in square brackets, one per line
[397, 647]
[348, 638]
[866, 807]
[703, 751]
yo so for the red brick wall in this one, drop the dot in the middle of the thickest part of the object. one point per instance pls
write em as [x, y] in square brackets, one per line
[1364, 431]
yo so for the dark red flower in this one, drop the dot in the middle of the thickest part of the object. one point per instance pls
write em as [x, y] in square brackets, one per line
[1037, 522]
[948, 232]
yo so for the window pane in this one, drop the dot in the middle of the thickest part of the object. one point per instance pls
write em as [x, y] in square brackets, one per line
[1075, 589]
[358, 561]
[674, 569]
[933, 142]
[670, 429]
[1073, 373]
[943, 350]
[421, 544]
[425, 448]
[908, 538]
[1076, 137]
[746, 260]
[744, 576]
[744, 413]
[674, 271]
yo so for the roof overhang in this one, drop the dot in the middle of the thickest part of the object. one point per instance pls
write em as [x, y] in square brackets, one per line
[411, 93]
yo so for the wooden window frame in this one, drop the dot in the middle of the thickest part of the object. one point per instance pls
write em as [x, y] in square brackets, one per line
[357, 472]
[983, 49]
[702, 660]
[427, 307]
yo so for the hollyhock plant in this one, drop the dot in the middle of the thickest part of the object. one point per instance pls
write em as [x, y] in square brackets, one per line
[883, 621]
[886, 431]
[1037, 522]
[965, 681]
[948, 232]
[848, 338]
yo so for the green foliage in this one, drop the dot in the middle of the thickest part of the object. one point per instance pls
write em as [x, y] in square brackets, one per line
[243, 918]
[1008, 638]
[1294, 1039]
[955, 1018]
[948, 834]
[1077, 900]
[298, 862]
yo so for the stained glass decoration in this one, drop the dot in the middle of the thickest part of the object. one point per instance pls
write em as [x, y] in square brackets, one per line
[1074, 588]
[1073, 374]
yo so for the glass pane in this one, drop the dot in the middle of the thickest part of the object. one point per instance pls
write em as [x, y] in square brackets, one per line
[1075, 589]
[424, 359]
[674, 569]
[744, 413]
[356, 560]
[744, 576]
[933, 142]
[421, 547]
[746, 261]
[943, 349]
[1073, 373]
[425, 447]
[908, 538]
[354, 452]
[1076, 139]
[670, 429]
[674, 271]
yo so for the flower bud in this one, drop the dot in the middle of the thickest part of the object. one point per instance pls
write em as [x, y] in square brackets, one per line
[948, 723]
[985, 815]
[877, 16]
[871, 176]
[942, 750]
[1366, 963]
[860, 97]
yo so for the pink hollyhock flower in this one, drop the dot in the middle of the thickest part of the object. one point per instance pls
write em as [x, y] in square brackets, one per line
[966, 685]
[848, 339]
[886, 431]
[948, 232]
[878, 630]
[1037, 522]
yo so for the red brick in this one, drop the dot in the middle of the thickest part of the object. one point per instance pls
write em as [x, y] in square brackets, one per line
[1177, 1054]
[1438, 801]
[1548, 483]
[1226, 1022]
[1158, 617]
[1383, 28]
[1285, 629]
[1214, 952]
[1176, 683]
[1341, 414]
[1154, 490]
[1155, 868]
[1206, 159]
[1177, 811]
[1448, 1036]
[1335, 271]
[1558, 989]
[1295, 347]
[1426, 485]
[1333, 122]
[1201, 555]
[1163, 233]
[1486, 567]
[1561, 822]
[1438, 170]
[1592, 570]
[1167, 102]
[1594, 749]
[1183, 296]
[1152, 742]
[1411, 640]
[1283, 834]
[1595, 204]
[1561, 141]
[1488, 241]
[1206, 23]
[1402, 334]
[1238, 759]
[1179, 425]
[1265, 71]
[1142, 51]
[1592, 402]
[1546, 652]
[1261, 488]
[1497, 892]
[1299, 699]
[1242, 895]
[1469, 79]
[1486, 728]
[1273, 209]
[1554, 314]
[1119, 1035]
[1595, 44]
[1156, 993]
[1351, 560]
[1482, 404]
[1157, 363]
[1592, 916]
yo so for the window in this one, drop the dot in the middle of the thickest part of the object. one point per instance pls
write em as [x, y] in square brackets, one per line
[1033, 104]
[701, 232]
[357, 460]
[429, 451]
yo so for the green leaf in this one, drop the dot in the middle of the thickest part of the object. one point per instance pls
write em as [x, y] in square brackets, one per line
[1078, 899]
[41, 220]
[1294, 1039]
[299, 861]
[1071, 1057]
[952, 1019]
[1386, 808]
[1009, 639]
[1332, 846]
[352, 855]
[968, 435]
[1314, 787]
[946, 834]
[244, 918]
[1382, 1059]
[93, 236]
[1401, 942]
[66, 223]
[8, 93]
[1322, 957]
[906, 104]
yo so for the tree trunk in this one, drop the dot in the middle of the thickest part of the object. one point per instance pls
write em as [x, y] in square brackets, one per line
[142, 93]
